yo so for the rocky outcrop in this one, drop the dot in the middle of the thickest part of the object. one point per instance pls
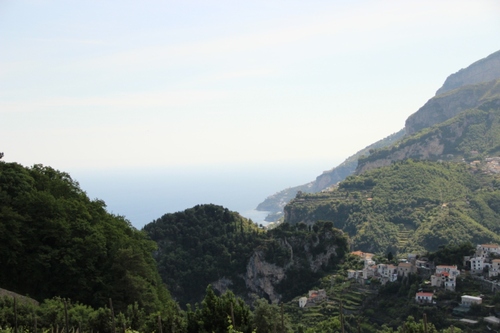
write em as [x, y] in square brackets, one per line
[429, 149]
[316, 253]
[222, 285]
[470, 134]
[484, 70]
[448, 105]
[261, 277]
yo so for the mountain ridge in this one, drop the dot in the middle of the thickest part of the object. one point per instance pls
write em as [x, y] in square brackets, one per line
[486, 69]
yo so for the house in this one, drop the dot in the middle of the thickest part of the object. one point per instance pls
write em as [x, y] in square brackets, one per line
[445, 277]
[365, 257]
[424, 298]
[302, 302]
[316, 296]
[477, 264]
[406, 268]
[492, 320]
[450, 269]
[387, 272]
[369, 271]
[494, 268]
[467, 300]
[485, 250]
[351, 274]
[443, 280]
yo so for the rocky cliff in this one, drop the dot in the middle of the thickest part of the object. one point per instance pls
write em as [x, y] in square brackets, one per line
[448, 105]
[290, 261]
[484, 70]
[472, 134]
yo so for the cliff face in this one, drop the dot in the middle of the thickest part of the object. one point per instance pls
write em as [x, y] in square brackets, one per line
[471, 134]
[279, 270]
[484, 70]
[448, 105]
[262, 277]
[431, 148]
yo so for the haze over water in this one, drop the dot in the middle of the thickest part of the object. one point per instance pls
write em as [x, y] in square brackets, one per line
[143, 195]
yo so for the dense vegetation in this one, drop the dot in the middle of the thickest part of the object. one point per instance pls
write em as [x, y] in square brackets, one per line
[276, 202]
[209, 243]
[408, 206]
[201, 245]
[472, 134]
[55, 241]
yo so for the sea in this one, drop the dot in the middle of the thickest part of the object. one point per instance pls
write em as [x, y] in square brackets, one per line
[143, 195]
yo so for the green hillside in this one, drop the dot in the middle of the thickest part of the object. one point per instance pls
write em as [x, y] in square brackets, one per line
[472, 134]
[209, 244]
[201, 245]
[55, 241]
[408, 206]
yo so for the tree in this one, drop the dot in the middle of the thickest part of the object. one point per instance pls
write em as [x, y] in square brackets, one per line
[268, 318]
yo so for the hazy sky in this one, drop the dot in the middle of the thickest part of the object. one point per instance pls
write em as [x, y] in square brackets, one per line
[128, 84]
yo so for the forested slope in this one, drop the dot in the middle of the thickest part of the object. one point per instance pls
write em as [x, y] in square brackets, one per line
[55, 241]
[409, 206]
[209, 244]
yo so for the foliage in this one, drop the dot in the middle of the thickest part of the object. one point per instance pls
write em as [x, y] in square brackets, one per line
[409, 206]
[452, 254]
[55, 241]
[201, 245]
[470, 134]
[208, 243]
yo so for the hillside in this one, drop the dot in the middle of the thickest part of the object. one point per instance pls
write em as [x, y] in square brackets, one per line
[55, 241]
[209, 244]
[472, 134]
[408, 206]
[450, 104]
[484, 70]
[275, 203]
[477, 85]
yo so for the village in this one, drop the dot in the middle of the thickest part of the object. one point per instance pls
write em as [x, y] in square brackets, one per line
[483, 266]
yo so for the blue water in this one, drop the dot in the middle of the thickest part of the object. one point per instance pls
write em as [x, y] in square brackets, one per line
[143, 195]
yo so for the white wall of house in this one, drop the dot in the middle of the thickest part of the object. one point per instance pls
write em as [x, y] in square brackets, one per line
[469, 300]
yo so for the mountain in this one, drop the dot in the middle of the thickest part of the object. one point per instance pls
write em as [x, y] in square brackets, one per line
[484, 70]
[409, 206]
[477, 82]
[472, 134]
[275, 203]
[451, 103]
[209, 244]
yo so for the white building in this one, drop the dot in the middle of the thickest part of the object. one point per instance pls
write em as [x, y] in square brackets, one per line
[450, 269]
[445, 277]
[387, 272]
[484, 250]
[494, 268]
[422, 297]
[477, 264]
[406, 268]
[302, 302]
[470, 300]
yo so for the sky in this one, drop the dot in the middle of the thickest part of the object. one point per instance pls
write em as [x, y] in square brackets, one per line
[266, 92]
[140, 84]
